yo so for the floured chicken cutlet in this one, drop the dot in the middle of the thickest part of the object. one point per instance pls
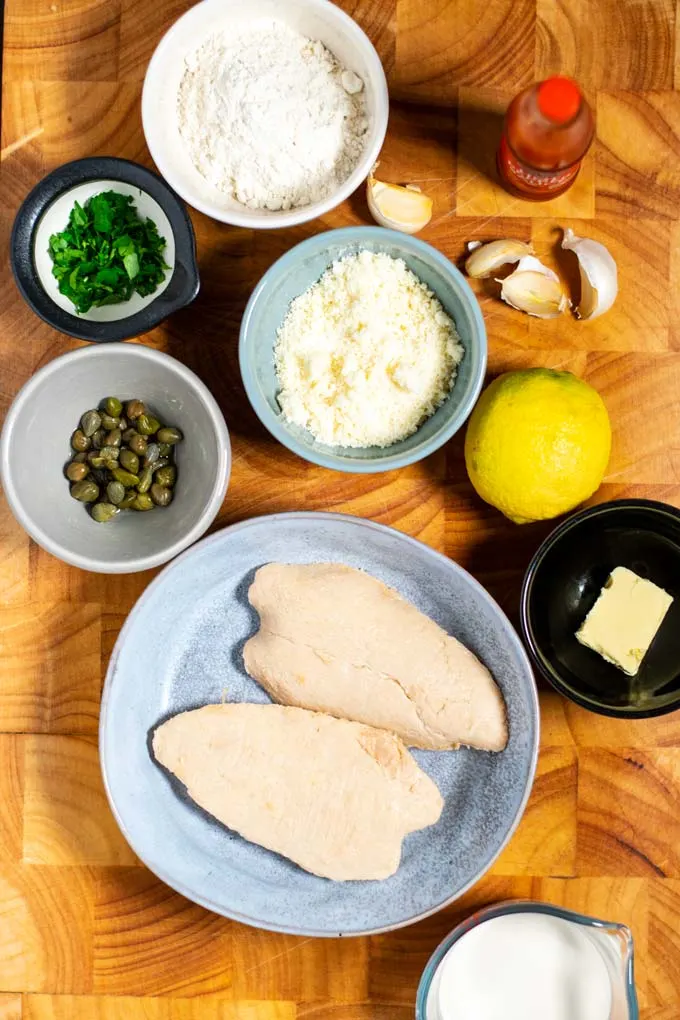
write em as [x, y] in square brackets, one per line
[334, 639]
[334, 796]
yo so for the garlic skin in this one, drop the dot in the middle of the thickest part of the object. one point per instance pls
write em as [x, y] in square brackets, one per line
[535, 289]
[397, 207]
[599, 276]
[485, 259]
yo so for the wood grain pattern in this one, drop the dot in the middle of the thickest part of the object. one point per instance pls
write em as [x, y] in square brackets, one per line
[638, 38]
[10, 1007]
[49, 670]
[66, 816]
[78, 39]
[67, 1007]
[87, 933]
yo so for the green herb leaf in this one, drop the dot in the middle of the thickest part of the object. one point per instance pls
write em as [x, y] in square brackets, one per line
[103, 213]
[131, 263]
[107, 252]
[78, 215]
[107, 277]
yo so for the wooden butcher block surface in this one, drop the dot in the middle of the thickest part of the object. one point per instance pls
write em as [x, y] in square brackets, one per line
[86, 932]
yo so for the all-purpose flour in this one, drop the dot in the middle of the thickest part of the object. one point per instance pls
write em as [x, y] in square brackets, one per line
[270, 117]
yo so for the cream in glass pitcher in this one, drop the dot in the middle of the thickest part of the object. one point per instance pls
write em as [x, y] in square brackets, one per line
[530, 961]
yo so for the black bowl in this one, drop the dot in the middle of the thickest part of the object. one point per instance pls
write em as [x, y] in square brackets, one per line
[562, 584]
[184, 282]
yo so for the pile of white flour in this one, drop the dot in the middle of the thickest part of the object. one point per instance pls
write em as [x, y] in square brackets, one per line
[366, 354]
[270, 117]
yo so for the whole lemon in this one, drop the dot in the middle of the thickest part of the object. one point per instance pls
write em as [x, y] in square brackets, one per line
[537, 443]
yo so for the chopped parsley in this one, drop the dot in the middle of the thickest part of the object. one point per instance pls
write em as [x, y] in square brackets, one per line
[107, 253]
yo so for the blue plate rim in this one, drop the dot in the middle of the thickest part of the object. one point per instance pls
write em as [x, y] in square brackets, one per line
[355, 235]
[205, 901]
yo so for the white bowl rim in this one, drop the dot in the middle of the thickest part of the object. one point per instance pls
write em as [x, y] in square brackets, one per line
[390, 461]
[290, 217]
[91, 563]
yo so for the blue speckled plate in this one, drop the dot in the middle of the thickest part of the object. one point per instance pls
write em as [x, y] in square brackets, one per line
[181, 648]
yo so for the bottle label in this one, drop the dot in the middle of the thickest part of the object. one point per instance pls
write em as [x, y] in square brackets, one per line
[524, 178]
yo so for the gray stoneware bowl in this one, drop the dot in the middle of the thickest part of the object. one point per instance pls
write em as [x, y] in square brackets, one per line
[293, 274]
[34, 449]
[181, 647]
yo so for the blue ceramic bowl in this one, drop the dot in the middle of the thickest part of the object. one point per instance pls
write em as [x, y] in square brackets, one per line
[293, 274]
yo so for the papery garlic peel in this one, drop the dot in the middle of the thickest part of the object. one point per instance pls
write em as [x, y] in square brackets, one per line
[397, 207]
[486, 259]
[535, 289]
[599, 277]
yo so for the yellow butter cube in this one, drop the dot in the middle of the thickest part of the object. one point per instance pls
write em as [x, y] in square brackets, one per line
[625, 619]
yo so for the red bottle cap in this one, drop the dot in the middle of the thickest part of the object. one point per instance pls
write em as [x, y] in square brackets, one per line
[559, 99]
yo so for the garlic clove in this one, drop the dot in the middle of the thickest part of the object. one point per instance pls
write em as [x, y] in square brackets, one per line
[397, 207]
[599, 276]
[535, 289]
[485, 259]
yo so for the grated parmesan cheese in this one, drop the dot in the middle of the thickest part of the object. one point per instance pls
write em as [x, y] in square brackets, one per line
[366, 354]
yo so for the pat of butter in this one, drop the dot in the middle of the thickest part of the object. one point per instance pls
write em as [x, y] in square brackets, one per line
[623, 622]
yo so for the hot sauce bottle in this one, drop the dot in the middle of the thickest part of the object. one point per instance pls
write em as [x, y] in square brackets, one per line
[547, 131]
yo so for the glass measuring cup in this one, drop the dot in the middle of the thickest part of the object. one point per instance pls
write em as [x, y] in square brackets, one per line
[613, 941]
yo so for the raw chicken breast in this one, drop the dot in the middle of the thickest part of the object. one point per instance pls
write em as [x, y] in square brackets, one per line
[334, 639]
[334, 796]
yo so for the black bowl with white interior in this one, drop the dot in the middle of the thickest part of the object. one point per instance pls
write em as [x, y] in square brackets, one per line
[46, 210]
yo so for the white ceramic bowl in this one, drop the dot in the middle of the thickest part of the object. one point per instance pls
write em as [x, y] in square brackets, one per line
[34, 448]
[317, 19]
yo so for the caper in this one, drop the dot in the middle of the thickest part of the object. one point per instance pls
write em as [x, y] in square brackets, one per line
[126, 478]
[76, 471]
[115, 492]
[166, 476]
[147, 425]
[145, 480]
[110, 452]
[170, 436]
[103, 512]
[90, 422]
[100, 476]
[86, 491]
[161, 495]
[138, 444]
[123, 452]
[79, 441]
[113, 406]
[101, 463]
[143, 501]
[129, 460]
[152, 454]
[134, 409]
